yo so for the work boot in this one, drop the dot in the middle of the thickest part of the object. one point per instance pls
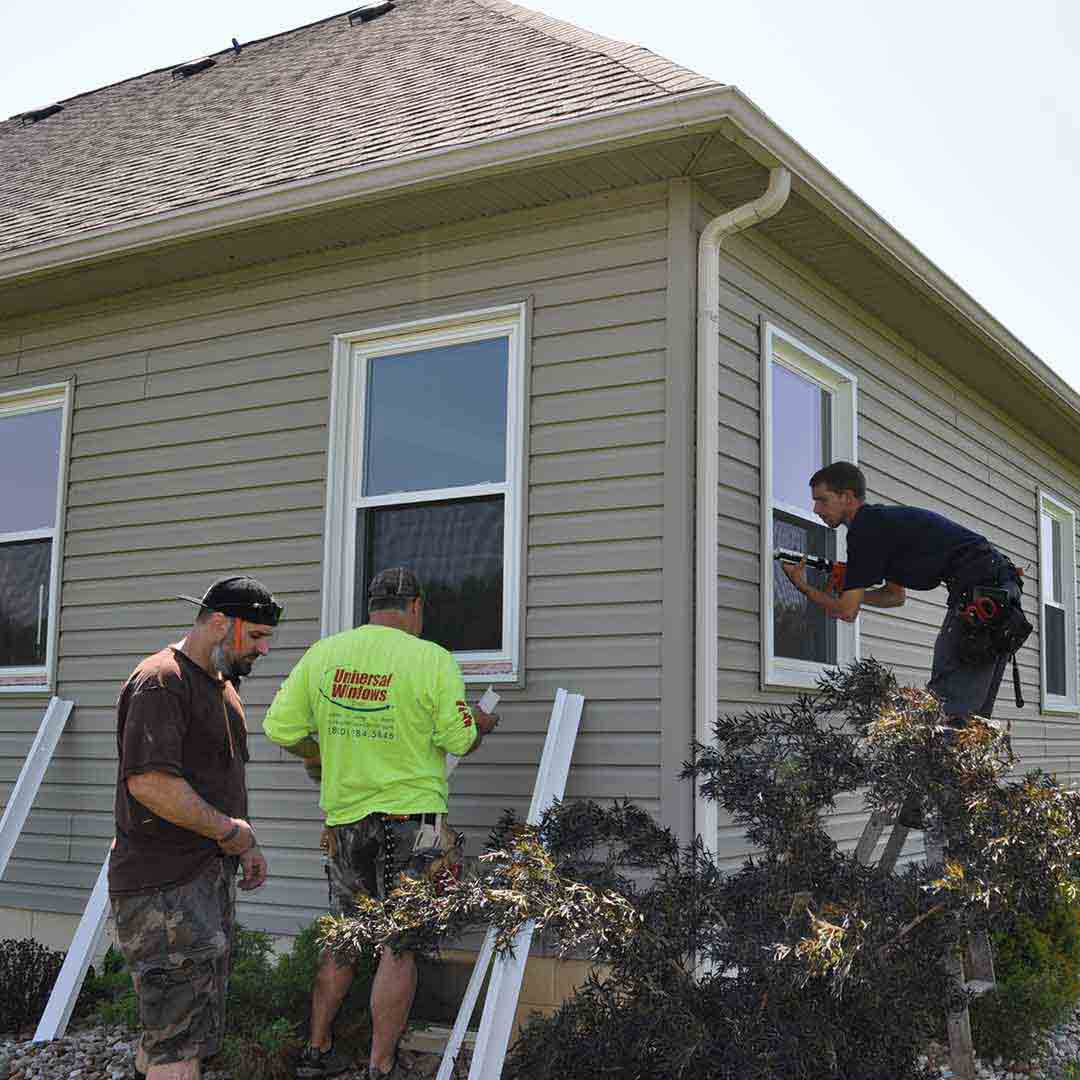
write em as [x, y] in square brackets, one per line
[314, 1064]
[912, 815]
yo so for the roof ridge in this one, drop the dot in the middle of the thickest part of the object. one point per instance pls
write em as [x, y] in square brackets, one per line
[657, 69]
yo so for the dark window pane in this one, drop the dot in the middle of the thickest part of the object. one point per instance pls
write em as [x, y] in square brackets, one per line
[801, 422]
[436, 418]
[24, 602]
[1059, 564]
[801, 630]
[1054, 630]
[30, 450]
[456, 549]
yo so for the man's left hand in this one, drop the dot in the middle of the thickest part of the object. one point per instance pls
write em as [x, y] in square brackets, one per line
[253, 864]
[796, 573]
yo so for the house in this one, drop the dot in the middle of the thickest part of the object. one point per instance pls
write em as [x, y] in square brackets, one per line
[422, 280]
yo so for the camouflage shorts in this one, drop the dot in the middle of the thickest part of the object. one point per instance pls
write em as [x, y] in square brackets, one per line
[366, 857]
[177, 943]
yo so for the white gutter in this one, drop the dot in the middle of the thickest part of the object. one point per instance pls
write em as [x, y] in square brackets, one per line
[706, 648]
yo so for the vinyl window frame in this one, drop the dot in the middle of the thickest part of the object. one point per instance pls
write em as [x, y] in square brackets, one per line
[41, 679]
[345, 469]
[779, 346]
[1054, 508]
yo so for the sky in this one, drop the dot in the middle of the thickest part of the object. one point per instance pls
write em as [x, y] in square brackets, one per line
[956, 120]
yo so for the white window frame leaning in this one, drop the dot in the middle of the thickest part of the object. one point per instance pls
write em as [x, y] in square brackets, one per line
[1049, 506]
[778, 672]
[351, 352]
[42, 679]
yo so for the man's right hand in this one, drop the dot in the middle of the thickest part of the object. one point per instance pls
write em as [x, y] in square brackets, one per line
[485, 722]
[240, 841]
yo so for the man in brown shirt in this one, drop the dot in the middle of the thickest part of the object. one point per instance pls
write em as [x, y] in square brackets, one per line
[182, 824]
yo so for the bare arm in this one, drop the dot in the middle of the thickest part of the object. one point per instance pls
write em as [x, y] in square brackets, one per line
[885, 596]
[174, 799]
[845, 606]
[307, 749]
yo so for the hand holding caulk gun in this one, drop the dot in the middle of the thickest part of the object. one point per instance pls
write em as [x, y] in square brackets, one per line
[837, 571]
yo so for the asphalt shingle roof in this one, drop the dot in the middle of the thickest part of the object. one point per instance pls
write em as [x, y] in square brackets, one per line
[427, 75]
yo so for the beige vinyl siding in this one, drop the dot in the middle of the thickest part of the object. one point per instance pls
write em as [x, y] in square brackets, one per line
[924, 440]
[199, 448]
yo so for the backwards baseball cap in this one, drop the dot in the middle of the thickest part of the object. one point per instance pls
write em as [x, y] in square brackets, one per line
[396, 581]
[243, 598]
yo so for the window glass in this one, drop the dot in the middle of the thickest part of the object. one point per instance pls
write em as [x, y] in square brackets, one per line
[456, 549]
[436, 418]
[801, 427]
[1054, 629]
[801, 630]
[25, 567]
[1058, 570]
[28, 492]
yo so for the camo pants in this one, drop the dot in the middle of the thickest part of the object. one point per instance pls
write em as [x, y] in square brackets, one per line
[366, 857]
[177, 943]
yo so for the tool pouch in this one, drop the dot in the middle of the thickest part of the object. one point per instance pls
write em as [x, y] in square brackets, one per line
[437, 849]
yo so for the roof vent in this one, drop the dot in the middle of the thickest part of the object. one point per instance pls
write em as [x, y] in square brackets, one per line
[372, 9]
[185, 71]
[34, 115]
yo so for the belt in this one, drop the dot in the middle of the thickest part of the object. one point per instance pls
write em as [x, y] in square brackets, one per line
[424, 819]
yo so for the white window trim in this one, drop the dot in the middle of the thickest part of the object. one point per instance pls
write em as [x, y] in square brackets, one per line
[344, 469]
[1052, 507]
[42, 679]
[781, 673]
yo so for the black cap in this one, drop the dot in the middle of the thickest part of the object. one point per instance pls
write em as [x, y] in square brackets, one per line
[243, 598]
[396, 581]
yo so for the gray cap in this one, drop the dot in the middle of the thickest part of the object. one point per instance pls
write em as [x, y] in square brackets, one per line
[395, 581]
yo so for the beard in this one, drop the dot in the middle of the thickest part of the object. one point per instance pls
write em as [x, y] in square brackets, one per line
[228, 664]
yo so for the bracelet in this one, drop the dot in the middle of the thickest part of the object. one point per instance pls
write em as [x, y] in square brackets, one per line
[229, 835]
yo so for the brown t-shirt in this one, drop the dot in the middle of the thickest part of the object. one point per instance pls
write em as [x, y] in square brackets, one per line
[174, 717]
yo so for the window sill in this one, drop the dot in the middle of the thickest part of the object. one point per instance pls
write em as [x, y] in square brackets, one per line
[28, 689]
[1065, 708]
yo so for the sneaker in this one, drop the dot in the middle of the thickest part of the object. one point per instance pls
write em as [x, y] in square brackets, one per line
[400, 1071]
[314, 1064]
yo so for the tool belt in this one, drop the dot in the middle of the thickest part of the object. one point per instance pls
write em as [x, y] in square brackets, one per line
[992, 622]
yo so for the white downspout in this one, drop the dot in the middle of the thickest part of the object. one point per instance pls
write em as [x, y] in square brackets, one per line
[706, 812]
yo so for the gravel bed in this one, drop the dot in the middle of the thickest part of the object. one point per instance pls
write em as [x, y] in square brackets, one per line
[108, 1053]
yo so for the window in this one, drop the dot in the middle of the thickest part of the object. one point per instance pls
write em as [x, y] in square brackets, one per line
[426, 471]
[32, 439]
[808, 420]
[1057, 608]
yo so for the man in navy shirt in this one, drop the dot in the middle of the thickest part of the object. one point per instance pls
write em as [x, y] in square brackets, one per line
[894, 548]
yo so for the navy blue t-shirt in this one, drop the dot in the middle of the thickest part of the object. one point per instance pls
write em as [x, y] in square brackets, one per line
[915, 548]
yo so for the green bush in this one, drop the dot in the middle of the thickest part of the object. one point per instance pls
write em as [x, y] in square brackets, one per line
[27, 973]
[1037, 964]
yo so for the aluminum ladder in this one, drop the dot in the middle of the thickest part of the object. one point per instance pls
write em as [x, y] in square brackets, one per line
[973, 970]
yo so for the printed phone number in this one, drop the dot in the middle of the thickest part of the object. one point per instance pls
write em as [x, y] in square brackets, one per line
[362, 733]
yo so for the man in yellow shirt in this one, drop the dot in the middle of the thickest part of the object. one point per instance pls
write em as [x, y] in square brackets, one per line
[388, 707]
